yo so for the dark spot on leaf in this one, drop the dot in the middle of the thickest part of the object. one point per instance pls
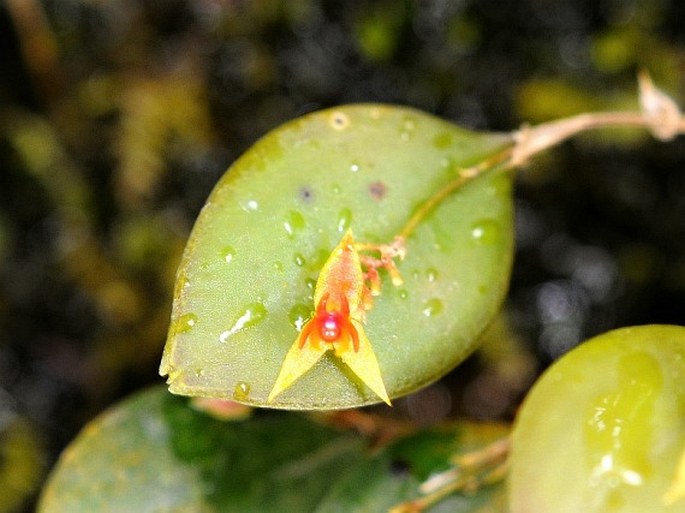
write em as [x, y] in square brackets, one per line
[400, 468]
[306, 194]
[339, 120]
[377, 190]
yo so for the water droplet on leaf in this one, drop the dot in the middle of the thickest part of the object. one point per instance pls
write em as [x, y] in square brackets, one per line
[485, 231]
[185, 323]
[432, 307]
[252, 314]
[298, 315]
[344, 219]
[250, 206]
[294, 223]
[228, 253]
[299, 259]
[241, 391]
[407, 128]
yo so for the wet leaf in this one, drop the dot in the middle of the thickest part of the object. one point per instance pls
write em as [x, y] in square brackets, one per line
[155, 453]
[602, 430]
[245, 285]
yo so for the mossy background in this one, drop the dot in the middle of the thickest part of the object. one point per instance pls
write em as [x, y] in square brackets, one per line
[117, 118]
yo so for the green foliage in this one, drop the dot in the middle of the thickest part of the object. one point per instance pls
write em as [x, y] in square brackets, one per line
[155, 453]
[117, 117]
[610, 414]
[245, 284]
[21, 461]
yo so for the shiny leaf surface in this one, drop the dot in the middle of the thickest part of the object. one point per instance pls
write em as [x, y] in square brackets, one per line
[245, 285]
[603, 429]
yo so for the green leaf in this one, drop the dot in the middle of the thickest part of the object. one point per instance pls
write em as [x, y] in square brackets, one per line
[603, 429]
[153, 453]
[246, 281]
[22, 460]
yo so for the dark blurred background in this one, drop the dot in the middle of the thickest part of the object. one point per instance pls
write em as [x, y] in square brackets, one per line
[117, 118]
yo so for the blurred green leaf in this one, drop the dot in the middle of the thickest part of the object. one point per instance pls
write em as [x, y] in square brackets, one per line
[618, 403]
[154, 453]
[245, 285]
[379, 30]
[21, 462]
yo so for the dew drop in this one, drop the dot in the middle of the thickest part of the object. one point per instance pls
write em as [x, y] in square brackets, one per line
[407, 128]
[199, 372]
[250, 206]
[404, 294]
[182, 283]
[485, 231]
[228, 253]
[299, 315]
[354, 168]
[185, 323]
[241, 391]
[608, 433]
[432, 307]
[344, 219]
[278, 266]
[432, 275]
[409, 124]
[299, 259]
[310, 283]
[252, 315]
[336, 189]
[502, 185]
[294, 223]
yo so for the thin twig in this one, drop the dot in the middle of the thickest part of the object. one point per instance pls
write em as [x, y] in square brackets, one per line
[465, 175]
[660, 115]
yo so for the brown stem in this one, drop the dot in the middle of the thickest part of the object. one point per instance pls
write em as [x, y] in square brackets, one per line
[660, 115]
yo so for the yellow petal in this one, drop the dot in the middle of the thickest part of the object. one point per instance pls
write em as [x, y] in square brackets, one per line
[364, 364]
[342, 274]
[297, 362]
